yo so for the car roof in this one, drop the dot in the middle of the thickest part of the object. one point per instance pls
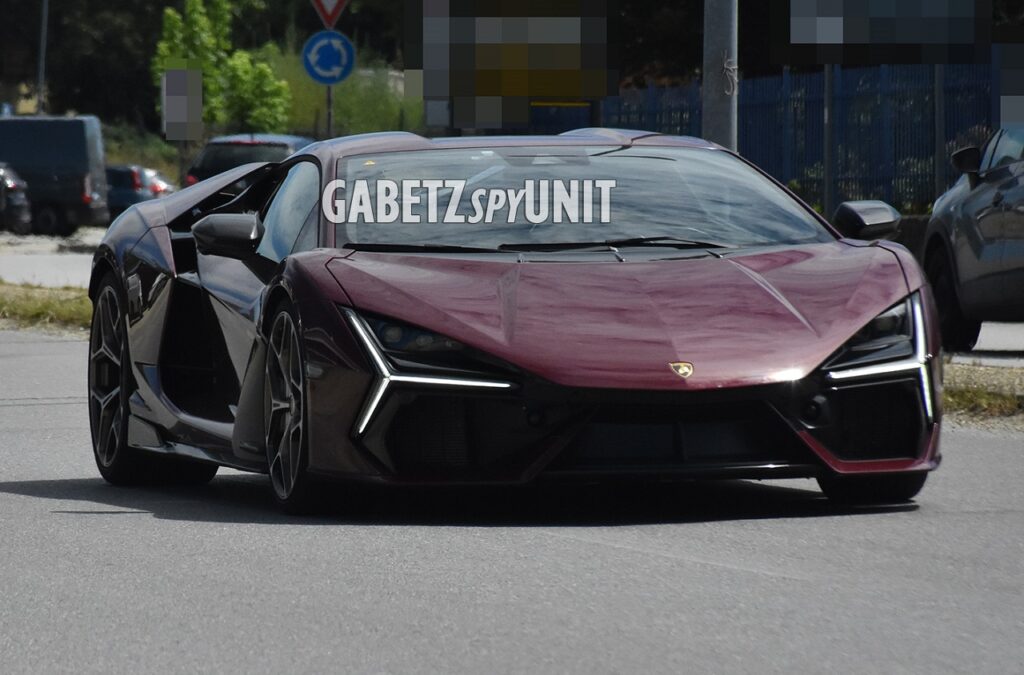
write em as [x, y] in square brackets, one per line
[267, 139]
[397, 141]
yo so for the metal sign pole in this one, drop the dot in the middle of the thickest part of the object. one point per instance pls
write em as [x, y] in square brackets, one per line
[329, 58]
[719, 87]
[330, 111]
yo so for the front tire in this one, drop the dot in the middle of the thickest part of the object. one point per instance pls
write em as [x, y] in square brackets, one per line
[873, 489]
[109, 386]
[959, 334]
[47, 220]
[285, 412]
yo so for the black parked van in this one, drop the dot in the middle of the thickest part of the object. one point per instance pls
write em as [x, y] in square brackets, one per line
[61, 159]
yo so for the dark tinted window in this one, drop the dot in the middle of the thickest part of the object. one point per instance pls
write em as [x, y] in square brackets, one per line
[308, 239]
[289, 210]
[219, 157]
[41, 144]
[1010, 148]
[988, 150]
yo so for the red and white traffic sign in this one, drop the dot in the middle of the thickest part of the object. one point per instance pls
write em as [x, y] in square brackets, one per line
[329, 10]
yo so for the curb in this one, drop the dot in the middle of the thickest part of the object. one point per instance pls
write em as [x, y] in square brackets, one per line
[75, 247]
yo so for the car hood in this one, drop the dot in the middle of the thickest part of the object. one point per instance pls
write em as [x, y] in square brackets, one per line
[758, 317]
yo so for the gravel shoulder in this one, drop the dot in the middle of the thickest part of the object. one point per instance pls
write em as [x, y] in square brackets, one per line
[1003, 380]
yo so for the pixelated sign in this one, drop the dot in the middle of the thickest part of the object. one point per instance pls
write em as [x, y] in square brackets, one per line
[874, 32]
[491, 65]
[182, 102]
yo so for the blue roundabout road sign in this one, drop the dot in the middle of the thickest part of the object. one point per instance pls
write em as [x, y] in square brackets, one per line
[329, 57]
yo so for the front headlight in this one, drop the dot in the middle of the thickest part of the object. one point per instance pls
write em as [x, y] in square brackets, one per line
[400, 353]
[892, 344]
[410, 347]
[395, 336]
[887, 337]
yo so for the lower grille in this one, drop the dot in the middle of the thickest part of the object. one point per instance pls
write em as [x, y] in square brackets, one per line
[433, 434]
[875, 421]
[677, 436]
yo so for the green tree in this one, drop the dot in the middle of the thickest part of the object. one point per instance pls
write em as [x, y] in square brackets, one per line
[191, 36]
[256, 100]
[239, 93]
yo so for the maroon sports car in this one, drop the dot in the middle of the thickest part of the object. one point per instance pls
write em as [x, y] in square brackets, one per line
[595, 305]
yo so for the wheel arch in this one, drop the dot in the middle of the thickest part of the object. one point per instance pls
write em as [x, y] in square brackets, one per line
[936, 242]
[276, 294]
[103, 263]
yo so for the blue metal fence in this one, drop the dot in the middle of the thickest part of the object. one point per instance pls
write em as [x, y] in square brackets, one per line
[883, 126]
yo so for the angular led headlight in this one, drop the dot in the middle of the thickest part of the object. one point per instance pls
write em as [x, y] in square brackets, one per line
[894, 342]
[398, 337]
[376, 334]
[887, 337]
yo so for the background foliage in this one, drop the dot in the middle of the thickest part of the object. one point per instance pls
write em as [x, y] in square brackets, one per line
[100, 53]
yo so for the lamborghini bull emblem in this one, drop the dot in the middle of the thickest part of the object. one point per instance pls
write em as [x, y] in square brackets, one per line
[682, 368]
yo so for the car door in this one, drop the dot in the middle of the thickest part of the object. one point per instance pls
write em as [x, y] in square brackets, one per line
[978, 226]
[235, 287]
[1012, 227]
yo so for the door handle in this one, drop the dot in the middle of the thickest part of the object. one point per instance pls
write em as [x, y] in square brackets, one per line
[997, 199]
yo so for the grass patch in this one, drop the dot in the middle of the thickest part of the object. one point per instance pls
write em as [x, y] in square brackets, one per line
[363, 103]
[37, 306]
[983, 403]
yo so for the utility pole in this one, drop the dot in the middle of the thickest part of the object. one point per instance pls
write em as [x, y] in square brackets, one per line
[41, 80]
[720, 88]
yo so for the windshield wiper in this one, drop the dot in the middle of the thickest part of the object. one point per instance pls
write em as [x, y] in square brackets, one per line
[416, 248]
[673, 242]
[667, 241]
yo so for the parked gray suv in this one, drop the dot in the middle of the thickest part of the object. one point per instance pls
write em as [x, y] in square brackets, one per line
[973, 250]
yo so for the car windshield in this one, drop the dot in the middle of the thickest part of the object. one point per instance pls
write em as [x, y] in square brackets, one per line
[219, 157]
[524, 197]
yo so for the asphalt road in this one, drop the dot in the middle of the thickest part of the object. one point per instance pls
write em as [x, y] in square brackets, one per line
[736, 577]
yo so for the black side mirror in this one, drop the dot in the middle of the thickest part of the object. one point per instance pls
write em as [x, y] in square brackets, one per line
[866, 220]
[232, 235]
[967, 160]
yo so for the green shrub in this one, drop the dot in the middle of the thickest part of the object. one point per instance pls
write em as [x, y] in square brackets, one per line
[363, 103]
[125, 144]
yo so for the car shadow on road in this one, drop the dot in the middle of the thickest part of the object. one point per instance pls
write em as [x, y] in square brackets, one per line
[245, 499]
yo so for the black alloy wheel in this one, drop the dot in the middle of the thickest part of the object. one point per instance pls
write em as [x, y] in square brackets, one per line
[107, 400]
[109, 386]
[285, 414]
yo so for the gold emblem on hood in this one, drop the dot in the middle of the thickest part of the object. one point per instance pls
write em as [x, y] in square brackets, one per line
[682, 368]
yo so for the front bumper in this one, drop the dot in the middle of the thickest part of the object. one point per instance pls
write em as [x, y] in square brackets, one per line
[421, 428]
[543, 430]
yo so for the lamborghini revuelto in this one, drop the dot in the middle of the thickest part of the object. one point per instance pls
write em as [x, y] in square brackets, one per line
[709, 325]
